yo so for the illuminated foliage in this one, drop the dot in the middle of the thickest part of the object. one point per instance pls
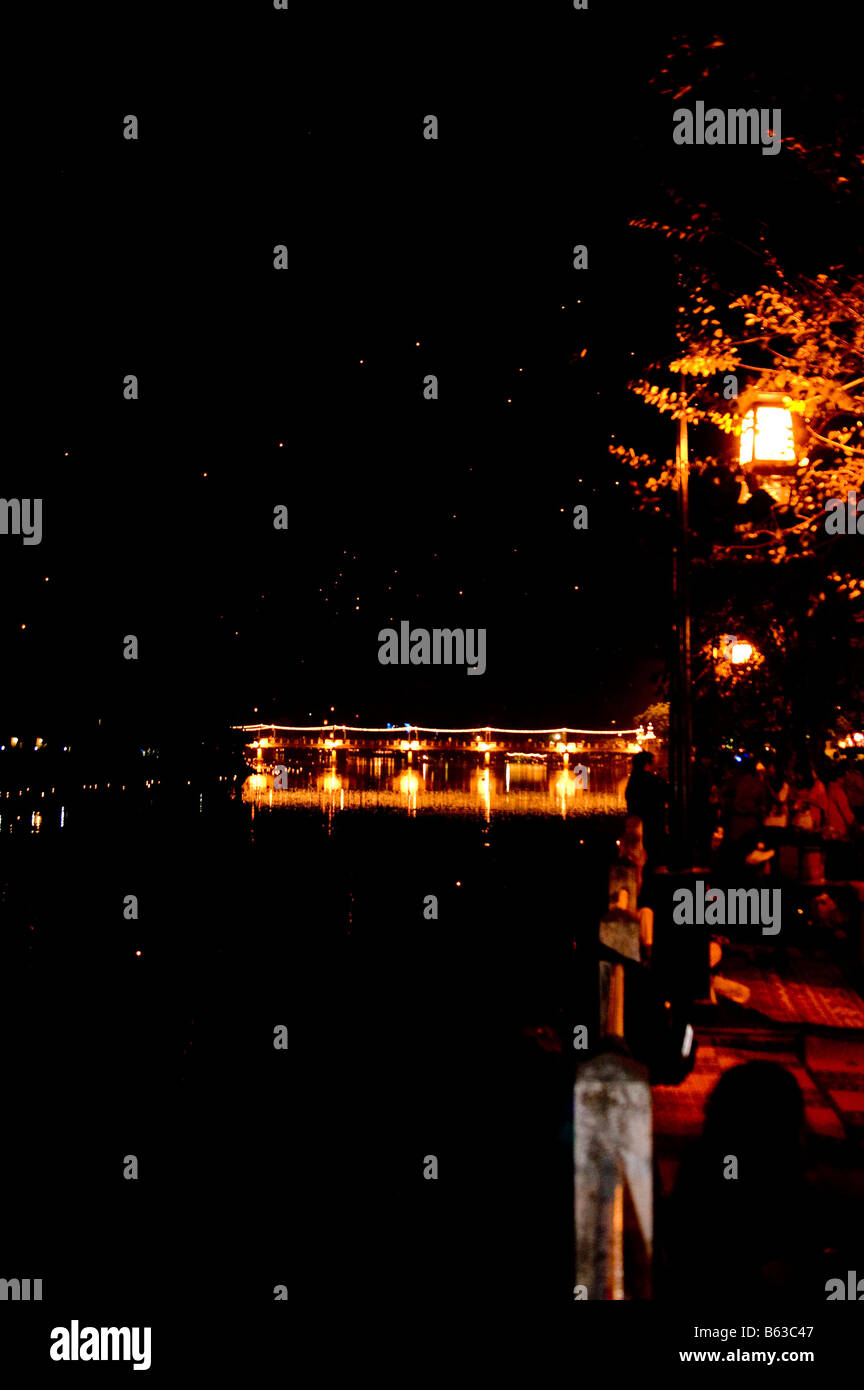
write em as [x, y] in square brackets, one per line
[804, 340]
[747, 323]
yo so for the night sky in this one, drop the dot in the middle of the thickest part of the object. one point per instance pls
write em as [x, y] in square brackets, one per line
[406, 257]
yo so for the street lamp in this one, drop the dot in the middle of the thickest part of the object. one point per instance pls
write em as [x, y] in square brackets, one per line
[767, 452]
[767, 436]
[731, 656]
[733, 649]
[680, 704]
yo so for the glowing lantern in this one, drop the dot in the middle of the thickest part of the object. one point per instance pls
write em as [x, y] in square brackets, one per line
[767, 437]
[735, 651]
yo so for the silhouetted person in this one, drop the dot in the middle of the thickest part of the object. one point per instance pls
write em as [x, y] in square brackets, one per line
[844, 858]
[841, 823]
[747, 803]
[646, 798]
[809, 799]
[706, 807]
[741, 1216]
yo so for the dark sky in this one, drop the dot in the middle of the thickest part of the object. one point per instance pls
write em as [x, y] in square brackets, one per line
[155, 257]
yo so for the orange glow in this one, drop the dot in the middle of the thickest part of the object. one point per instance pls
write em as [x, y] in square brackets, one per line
[735, 650]
[766, 436]
[484, 791]
[566, 784]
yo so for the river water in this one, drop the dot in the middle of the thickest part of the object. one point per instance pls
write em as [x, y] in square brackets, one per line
[447, 786]
[424, 931]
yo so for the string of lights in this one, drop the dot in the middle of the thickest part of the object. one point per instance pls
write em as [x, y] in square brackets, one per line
[422, 729]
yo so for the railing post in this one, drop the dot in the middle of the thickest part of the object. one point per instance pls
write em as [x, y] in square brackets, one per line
[612, 1177]
[612, 1129]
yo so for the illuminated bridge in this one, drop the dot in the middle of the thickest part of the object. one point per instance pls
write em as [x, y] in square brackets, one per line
[268, 742]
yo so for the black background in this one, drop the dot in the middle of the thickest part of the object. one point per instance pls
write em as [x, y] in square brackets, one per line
[155, 258]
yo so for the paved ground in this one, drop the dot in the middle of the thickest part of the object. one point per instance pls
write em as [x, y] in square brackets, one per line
[801, 1013]
[809, 988]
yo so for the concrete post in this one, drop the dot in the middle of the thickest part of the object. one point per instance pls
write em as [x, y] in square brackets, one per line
[613, 1207]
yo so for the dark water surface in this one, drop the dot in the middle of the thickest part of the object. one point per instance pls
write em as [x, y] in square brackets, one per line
[408, 1036]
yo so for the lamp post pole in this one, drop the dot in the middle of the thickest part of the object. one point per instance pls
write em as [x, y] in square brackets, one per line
[681, 713]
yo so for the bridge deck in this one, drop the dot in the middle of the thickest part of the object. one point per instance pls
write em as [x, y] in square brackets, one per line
[270, 741]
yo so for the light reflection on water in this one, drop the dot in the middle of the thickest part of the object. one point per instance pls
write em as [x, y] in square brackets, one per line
[454, 787]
